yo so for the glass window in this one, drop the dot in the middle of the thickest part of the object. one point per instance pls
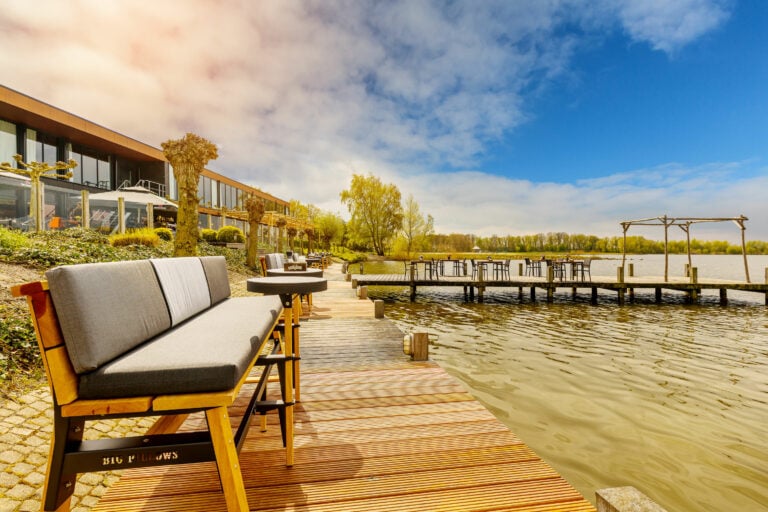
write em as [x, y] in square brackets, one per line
[90, 171]
[77, 172]
[104, 173]
[173, 190]
[7, 141]
[215, 193]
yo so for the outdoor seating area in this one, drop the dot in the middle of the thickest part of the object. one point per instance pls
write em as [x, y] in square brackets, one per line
[161, 356]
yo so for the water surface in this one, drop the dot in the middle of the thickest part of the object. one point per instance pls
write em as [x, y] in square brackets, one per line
[670, 398]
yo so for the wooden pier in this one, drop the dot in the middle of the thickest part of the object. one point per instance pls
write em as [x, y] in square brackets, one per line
[623, 286]
[375, 431]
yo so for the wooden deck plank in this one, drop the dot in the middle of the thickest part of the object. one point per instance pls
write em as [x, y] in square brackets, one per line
[374, 432]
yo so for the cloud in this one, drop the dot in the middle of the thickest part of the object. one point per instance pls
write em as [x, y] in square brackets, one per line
[299, 95]
[668, 26]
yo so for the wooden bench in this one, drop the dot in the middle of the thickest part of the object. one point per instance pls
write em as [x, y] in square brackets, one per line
[157, 337]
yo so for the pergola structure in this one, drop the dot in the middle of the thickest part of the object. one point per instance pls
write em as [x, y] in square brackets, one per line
[683, 223]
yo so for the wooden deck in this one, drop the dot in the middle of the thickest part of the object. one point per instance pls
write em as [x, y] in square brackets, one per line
[374, 432]
[623, 287]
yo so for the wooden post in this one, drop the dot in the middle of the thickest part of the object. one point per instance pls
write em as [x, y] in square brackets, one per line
[621, 292]
[150, 216]
[378, 308]
[631, 270]
[420, 347]
[519, 269]
[694, 275]
[550, 294]
[363, 292]
[666, 249]
[631, 295]
[658, 295]
[354, 284]
[533, 293]
[481, 279]
[121, 215]
[723, 296]
[740, 222]
[594, 295]
[620, 274]
[625, 499]
[85, 210]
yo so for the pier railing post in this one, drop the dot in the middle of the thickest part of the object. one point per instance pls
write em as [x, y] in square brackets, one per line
[631, 270]
[620, 274]
[625, 499]
[420, 348]
[520, 271]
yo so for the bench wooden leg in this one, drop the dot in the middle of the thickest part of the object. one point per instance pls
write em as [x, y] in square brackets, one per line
[59, 486]
[227, 460]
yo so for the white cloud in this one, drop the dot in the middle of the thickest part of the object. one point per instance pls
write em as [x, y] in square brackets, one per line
[302, 94]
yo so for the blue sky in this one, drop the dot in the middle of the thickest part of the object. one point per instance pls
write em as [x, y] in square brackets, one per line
[498, 116]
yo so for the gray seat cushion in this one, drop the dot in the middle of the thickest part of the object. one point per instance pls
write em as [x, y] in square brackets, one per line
[207, 353]
[184, 285]
[106, 309]
[216, 274]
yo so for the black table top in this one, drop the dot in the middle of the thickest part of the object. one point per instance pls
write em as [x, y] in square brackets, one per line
[310, 272]
[286, 285]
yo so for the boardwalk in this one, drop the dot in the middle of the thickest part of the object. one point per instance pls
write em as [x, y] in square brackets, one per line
[375, 432]
[622, 286]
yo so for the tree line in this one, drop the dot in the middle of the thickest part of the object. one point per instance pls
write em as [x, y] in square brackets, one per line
[383, 223]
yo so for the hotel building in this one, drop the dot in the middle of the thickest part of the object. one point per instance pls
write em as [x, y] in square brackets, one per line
[106, 161]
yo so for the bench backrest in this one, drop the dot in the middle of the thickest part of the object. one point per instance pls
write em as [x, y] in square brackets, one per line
[86, 315]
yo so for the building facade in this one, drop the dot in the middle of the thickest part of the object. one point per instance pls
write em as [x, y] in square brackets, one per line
[106, 161]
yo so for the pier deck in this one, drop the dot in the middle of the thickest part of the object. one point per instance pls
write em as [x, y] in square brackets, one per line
[621, 287]
[375, 431]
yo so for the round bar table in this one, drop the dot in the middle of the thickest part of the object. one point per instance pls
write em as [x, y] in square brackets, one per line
[286, 287]
[310, 272]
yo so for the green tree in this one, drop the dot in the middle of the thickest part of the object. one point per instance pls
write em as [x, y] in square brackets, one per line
[416, 229]
[329, 229]
[188, 157]
[377, 214]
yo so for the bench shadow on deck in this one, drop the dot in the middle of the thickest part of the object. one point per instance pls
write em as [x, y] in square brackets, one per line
[374, 432]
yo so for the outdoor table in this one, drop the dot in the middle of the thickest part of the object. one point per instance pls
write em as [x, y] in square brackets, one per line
[287, 287]
[575, 267]
[457, 266]
[430, 267]
[310, 272]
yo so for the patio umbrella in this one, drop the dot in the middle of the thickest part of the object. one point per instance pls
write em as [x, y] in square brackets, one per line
[138, 195]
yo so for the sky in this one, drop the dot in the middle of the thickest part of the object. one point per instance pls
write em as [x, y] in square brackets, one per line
[504, 117]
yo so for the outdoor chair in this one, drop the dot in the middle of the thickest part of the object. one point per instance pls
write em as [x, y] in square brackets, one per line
[585, 269]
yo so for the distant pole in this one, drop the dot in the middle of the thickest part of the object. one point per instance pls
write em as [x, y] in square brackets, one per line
[740, 222]
[666, 249]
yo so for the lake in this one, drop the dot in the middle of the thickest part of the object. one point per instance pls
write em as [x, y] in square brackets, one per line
[671, 398]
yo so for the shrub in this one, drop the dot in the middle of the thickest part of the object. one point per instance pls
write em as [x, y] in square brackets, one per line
[164, 234]
[230, 234]
[11, 241]
[208, 235]
[146, 237]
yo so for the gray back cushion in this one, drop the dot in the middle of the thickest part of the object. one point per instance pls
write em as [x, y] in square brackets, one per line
[106, 309]
[275, 260]
[215, 268]
[184, 286]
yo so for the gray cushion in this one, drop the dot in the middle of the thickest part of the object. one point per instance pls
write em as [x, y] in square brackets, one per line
[184, 286]
[215, 268]
[210, 352]
[275, 260]
[106, 309]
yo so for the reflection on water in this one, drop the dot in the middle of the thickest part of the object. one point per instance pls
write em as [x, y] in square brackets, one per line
[670, 398]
